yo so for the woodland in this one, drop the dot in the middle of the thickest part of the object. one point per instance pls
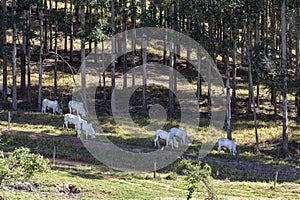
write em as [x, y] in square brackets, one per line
[255, 46]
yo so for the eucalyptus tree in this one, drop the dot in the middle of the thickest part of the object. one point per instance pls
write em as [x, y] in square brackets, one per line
[284, 74]
[113, 45]
[4, 49]
[14, 56]
[82, 49]
[298, 59]
[40, 55]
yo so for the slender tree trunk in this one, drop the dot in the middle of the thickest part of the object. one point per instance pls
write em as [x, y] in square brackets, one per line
[234, 69]
[171, 80]
[66, 27]
[14, 58]
[228, 97]
[50, 25]
[298, 60]
[83, 69]
[199, 83]
[113, 43]
[284, 89]
[4, 51]
[28, 57]
[124, 24]
[40, 60]
[71, 32]
[23, 54]
[165, 41]
[46, 33]
[56, 51]
[144, 60]
[257, 44]
[133, 44]
[249, 47]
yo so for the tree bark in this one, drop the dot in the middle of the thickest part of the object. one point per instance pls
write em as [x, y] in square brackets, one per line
[284, 89]
[4, 51]
[144, 60]
[14, 58]
[83, 65]
[40, 60]
[23, 53]
[28, 57]
[297, 100]
[56, 51]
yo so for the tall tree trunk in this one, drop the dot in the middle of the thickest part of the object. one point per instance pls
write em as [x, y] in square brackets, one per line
[66, 27]
[113, 43]
[14, 58]
[298, 60]
[171, 80]
[40, 60]
[124, 62]
[251, 90]
[228, 97]
[50, 25]
[133, 46]
[234, 62]
[144, 60]
[83, 67]
[71, 32]
[23, 53]
[28, 57]
[199, 82]
[257, 45]
[284, 89]
[273, 44]
[4, 51]
[56, 51]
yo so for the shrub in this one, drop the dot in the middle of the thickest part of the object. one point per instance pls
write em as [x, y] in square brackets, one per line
[196, 172]
[21, 165]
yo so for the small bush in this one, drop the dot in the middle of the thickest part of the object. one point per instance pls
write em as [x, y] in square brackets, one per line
[196, 172]
[21, 165]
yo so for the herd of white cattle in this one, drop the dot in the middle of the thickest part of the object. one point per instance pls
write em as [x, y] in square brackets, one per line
[83, 125]
[74, 106]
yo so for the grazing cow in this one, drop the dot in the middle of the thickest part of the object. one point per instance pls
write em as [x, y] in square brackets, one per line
[70, 118]
[51, 104]
[8, 89]
[229, 144]
[88, 128]
[181, 134]
[78, 107]
[170, 139]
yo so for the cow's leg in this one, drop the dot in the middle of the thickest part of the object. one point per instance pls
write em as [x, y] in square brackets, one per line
[219, 148]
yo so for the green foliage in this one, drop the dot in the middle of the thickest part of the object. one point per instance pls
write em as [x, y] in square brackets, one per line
[196, 172]
[21, 165]
[173, 176]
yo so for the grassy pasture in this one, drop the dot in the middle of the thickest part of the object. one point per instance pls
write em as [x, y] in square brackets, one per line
[98, 182]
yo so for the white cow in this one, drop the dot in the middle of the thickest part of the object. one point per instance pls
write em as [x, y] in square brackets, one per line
[8, 89]
[181, 134]
[88, 129]
[51, 104]
[70, 118]
[170, 139]
[78, 107]
[229, 144]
